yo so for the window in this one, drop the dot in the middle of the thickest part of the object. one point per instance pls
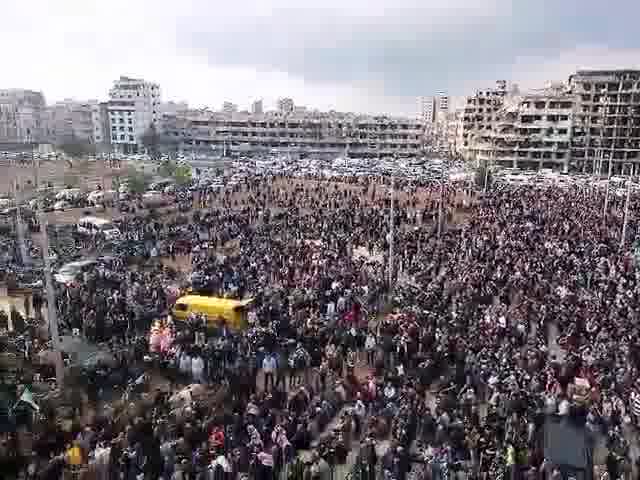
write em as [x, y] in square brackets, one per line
[130, 121]
[122, 120]
[122, 129]
[131, 138]
[114, 128]
[121, 137]
[114, 137]
[131, 129]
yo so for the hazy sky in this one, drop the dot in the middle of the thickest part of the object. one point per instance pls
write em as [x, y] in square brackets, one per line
[363, 55]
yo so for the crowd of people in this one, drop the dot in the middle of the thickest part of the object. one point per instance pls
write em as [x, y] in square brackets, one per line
[516, 315]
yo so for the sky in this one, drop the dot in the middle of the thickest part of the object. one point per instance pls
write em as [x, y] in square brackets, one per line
[375, 56]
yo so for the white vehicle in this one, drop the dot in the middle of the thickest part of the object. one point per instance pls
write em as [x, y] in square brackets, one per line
[92, 226]
[71, 271]
[61, 206]
[160, 185]
[69, 194]
[100, 197]
[154, 199]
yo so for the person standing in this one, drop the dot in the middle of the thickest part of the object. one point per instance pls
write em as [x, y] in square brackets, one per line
[269, 366]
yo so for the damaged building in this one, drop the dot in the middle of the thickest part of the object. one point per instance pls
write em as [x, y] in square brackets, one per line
[607, 120]
[578, 126]
[530, 131]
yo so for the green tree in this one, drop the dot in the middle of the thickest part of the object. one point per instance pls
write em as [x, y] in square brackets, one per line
[179, 173]
[76, 149]
[182, 174]
[137, 181]
[167, 169]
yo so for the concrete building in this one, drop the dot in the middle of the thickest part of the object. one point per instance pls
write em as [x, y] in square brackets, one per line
[173, 108]
[229, 108]
[442, 103]
[134, 107]
[607, 120]
[580, 126]
[100, 124]
[427, 109]
[71, 120]
[311, 133]
[257, 107]
[530, 131]
[286, 106]
[23, 116]
[479, 114]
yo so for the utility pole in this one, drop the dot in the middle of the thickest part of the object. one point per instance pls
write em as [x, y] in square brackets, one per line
[611, 150]
[442, 200]
[51, 301]
[17, 199]
[606, 192]
[391, 230]
[486, 176]
[623, 237]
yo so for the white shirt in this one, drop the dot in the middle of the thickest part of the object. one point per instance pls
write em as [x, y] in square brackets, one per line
[185, 364]
[223, 462]
[197, 366]
[563, 408]
[370, 342]
[269, 364]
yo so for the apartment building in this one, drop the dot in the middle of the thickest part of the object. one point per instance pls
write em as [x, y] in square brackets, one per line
[478, 116]
[71, 120]
[22, 116]
[607, 120]
[442, 100]
[310, 133]
[257, 107]
[427, 109]
[286, 106]
[133, 108]
[229, 108]
[173, 107]
[530, 131]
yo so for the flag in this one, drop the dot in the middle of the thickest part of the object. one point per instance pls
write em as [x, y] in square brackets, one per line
[27, 397]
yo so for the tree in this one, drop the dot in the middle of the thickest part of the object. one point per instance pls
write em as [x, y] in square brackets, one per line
[76, 149]
[479, 177]
[137, 181]
[167, 169]
[151, 141]
[180, 173]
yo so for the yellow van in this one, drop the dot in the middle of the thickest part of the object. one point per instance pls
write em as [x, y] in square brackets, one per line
[233, 311]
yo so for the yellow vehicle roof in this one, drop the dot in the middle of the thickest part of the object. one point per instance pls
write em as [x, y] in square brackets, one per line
[226, 303]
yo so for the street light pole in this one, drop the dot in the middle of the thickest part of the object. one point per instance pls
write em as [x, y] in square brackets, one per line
[442, 200]
[606, 191]
[17, 199]
[623, 237]
[391, 230]
[51, 301]
[611, 150]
